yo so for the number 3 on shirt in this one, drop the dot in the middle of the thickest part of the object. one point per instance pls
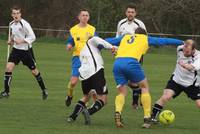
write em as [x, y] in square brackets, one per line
[130, 41]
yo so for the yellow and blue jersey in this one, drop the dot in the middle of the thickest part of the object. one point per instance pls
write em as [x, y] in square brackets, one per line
[133, 46]
[136, 45]
[79, 36]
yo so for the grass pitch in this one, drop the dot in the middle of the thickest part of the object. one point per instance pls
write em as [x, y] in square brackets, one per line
[26, 113]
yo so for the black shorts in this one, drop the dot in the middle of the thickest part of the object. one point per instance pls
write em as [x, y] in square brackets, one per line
[192, 92]
[96, 82]
[25, 56]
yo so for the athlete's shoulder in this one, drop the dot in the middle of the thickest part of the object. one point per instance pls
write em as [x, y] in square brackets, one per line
[91, 27]
[180, 48]
[74, 27]
[121, 22]
[24, 22]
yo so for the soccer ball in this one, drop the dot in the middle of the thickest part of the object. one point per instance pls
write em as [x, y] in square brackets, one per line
[166, 117]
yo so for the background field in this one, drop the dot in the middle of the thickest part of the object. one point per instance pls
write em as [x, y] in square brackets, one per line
[25, 112]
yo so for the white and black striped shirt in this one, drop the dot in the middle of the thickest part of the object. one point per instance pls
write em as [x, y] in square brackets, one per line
[22, 30]
[181, 75]
[128, 27]
[90, 57]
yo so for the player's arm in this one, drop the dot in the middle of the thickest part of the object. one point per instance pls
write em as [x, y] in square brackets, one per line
[114, 40]
[29, 37]
[100, 43]
[194, 66]
[70, 42]
[156, 41]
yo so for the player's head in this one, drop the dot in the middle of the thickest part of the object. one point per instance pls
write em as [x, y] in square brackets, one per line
[140, 30]
[16, 13]
[84, 16]
[130, 11]
[189, 47]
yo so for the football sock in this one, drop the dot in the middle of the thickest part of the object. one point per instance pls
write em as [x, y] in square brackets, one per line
[146, 102]
[70, 90]
[136, 95]
[77, 109]
[7, 81]
[40, 81]
[156, 110]
[96, 106]
[119, 103]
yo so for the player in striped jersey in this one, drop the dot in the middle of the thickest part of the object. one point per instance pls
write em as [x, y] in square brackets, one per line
[185, 78]
[92, 78]
[22, 37]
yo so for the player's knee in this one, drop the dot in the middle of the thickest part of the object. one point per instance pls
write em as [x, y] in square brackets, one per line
[35, 72]
[166, 98]
[198, 104]
[73, 81]
[9, 67]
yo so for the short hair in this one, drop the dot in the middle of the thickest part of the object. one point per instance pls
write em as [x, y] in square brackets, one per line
[131, 5]
[15, 7]
[83, 9]
[140, 30]
[193, 44]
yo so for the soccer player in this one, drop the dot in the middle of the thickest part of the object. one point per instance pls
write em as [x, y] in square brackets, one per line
[185, 78]
[79, 34]
[92, 78]
[127, 68]
[128, 26]
[22, 37]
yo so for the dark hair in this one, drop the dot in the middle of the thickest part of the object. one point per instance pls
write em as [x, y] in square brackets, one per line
[83, 9]
[140, 30]
[131, 5]
[194, 45]
[16, 8]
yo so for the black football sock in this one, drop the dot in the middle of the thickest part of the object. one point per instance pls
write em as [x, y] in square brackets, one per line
[7, 81]
[156, 110]
[96, 106]
[77, 109]
[136, 95]
[40, 81]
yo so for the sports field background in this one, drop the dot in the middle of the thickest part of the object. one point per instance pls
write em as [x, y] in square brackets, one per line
[26, 113]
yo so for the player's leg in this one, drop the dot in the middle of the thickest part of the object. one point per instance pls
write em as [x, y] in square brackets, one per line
[70, 89]
[28, 59]
[198, 103]
[146, 102]
[13, 60]
[73, 80]
[158, 106]
[136, 94]
[171, 90]
[40, 81]
[7, 79]
[121, 81]
[79, 107]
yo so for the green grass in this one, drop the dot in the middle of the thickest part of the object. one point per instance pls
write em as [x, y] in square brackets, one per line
[25, 112]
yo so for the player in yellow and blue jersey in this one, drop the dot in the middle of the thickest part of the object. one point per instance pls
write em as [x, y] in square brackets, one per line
[79, 34]
[127, 68]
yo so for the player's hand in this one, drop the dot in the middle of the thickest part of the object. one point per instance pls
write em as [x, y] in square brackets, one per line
[19, 41]
[10, 42]
[69, 47]
[114, 50]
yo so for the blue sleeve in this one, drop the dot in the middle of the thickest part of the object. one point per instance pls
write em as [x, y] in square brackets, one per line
[70, 40]
[156, 41]
[114, 40]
